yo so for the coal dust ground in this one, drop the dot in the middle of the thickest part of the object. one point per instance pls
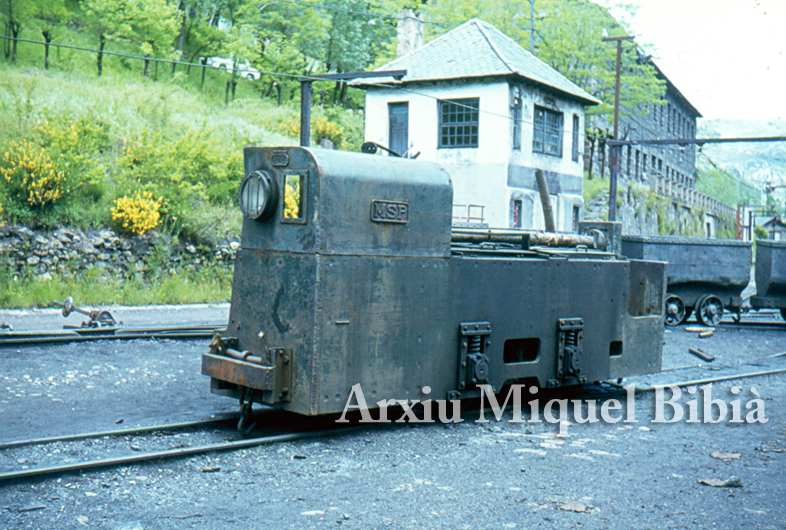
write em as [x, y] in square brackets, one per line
[471, 475]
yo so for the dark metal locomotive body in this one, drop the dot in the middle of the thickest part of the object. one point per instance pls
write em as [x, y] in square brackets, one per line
[358, 279]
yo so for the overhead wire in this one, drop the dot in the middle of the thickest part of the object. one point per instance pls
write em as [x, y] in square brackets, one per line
[306, 77]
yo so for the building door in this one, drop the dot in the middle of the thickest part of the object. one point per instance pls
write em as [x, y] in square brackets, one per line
[398, 118]
[516, 214]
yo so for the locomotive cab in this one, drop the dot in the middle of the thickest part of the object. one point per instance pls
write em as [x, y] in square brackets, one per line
[349, 273]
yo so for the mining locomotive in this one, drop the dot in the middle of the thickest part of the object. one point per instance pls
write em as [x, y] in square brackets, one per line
[350, 272]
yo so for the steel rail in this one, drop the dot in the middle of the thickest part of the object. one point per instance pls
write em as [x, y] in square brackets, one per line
[112, 333]
[119, 432]
[161, 455]
[707, 381]
[241, 444]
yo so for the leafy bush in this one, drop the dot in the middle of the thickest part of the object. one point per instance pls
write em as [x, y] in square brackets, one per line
[31, 177]
[188, 169]
[137, 215]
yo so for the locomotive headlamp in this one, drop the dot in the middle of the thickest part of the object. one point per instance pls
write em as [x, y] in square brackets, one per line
[258, 195]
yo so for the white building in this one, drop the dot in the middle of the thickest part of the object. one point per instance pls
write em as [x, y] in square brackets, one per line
[492, 114]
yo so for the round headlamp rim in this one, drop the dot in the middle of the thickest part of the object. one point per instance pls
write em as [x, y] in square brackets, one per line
[270, 203]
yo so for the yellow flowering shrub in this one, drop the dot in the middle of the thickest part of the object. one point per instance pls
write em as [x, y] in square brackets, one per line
[31, 175]
[327, 128]
[321, 127]
[292, 197]
[138, 214]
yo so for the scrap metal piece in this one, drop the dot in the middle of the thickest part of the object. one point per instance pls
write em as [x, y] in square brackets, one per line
[701, 355]
[98, 317]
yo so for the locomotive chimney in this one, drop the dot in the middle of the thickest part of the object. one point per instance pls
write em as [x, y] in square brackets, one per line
[410, 33]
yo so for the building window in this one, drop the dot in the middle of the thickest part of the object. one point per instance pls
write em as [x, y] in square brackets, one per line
[547, 133]
[627, 170]
[458, 123]
[575, 138]
[515, 110]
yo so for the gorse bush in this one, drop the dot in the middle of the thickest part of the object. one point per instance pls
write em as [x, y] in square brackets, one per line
[31, 177]
[324, 128]
[184, 172]
[138, 214]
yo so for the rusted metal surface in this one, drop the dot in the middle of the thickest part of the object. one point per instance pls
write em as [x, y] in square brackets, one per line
[526, 239]
[98, 317]
[611, 230]
[374, 288]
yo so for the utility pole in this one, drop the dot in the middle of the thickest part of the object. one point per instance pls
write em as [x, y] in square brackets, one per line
[615, 149]
[532, 27]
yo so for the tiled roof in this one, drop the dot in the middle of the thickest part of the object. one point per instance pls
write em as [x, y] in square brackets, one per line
[476, 49]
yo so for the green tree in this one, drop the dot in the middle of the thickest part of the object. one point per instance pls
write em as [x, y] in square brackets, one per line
[51, 15]
[154, 26]
[289, 39]
[569, 38]
[14, 13]
[108, 20]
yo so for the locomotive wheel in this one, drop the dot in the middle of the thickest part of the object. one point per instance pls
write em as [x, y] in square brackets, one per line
[676, 313]
[709, 310]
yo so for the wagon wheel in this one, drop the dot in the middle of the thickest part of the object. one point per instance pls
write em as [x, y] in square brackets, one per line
[676, 313]
[709, 310]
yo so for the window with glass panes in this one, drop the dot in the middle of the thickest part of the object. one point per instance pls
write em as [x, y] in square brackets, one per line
[547, 133]
[458, 123]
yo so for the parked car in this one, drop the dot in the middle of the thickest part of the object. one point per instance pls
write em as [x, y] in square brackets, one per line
[244, 68]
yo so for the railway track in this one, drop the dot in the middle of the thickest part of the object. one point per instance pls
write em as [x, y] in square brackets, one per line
[132, 440]
[228, 422]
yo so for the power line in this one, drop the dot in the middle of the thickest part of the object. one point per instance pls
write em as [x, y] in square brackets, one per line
[582, 134]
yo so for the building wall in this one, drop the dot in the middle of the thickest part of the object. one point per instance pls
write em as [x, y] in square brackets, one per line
[494, 174]
[672, 118]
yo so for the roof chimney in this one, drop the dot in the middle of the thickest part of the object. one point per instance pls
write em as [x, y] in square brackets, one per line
[410, 33]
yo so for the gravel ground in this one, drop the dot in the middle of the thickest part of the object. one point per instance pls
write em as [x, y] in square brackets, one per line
[466, 475]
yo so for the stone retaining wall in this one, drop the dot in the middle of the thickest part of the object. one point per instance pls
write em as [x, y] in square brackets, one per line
[67, 251]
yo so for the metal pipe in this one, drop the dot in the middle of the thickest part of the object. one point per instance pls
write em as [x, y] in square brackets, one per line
[525, 239]
[305, 113]
[244, 356]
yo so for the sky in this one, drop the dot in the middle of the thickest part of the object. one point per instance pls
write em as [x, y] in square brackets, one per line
[726, 56]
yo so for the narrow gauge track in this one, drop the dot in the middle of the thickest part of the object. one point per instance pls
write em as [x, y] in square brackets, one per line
[179, 452]
[228, 421]
[201, 331]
